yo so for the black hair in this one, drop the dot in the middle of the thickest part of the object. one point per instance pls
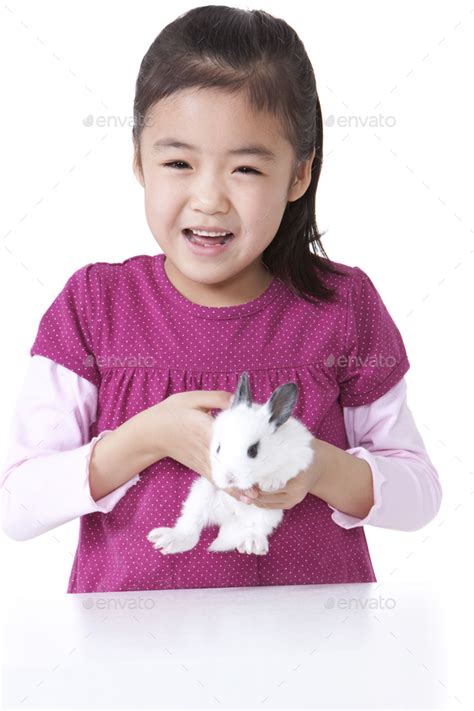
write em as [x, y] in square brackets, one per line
[262, 56]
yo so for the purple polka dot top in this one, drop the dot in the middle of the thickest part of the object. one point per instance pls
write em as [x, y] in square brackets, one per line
[130, 332]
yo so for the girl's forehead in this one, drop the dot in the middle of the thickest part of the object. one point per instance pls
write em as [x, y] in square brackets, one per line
[212, 106]
[218, 114]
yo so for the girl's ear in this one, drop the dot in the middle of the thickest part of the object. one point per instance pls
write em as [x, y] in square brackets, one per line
[138, 173]
[301, 179]
[136, 169]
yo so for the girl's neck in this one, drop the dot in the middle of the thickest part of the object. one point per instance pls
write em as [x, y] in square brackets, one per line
[239, 289]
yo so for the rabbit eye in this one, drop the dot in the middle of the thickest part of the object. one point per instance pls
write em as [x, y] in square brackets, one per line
[253, 450]
[218, 448]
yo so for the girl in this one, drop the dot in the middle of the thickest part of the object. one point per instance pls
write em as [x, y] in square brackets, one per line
[131, 358]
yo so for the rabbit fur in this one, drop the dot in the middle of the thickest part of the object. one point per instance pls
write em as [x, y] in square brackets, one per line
[250, 444]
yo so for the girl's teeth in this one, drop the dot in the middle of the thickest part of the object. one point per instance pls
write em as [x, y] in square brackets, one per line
[205, 233]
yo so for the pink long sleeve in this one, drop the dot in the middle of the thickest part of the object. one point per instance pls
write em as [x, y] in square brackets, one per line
[407, 491]
[45, 478]
[49, 452]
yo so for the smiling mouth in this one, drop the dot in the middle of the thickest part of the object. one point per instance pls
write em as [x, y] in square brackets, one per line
[206, 241]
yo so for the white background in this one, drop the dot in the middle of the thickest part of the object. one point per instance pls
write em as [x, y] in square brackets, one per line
[394, 198]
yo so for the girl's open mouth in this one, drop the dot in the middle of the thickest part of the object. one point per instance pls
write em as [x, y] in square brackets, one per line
[206, 245]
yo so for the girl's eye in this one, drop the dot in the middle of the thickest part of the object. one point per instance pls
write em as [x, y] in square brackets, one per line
[175, 163]
[251, 170]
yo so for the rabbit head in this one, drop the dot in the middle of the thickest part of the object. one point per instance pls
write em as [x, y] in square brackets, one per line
[251, 442]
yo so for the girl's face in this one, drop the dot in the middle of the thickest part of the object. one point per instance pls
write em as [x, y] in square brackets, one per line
[209, 184]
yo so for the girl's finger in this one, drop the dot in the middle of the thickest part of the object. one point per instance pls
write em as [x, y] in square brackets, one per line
[273, 504]
[271, 497]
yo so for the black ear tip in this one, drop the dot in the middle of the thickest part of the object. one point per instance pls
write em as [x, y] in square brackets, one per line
[243, 391]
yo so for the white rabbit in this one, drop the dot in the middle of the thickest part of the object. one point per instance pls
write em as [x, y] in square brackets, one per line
[250, 444]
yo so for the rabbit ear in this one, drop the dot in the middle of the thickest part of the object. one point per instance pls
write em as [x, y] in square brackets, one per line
[282, 402]
[243, 393]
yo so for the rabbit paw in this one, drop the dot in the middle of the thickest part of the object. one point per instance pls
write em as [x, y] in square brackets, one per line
[275, 486]
[254, 543]
[172, 540]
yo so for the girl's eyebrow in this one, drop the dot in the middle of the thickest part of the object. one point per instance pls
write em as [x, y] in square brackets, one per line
[258, 150]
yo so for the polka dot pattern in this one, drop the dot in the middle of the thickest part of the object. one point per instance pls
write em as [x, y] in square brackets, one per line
[127, 329]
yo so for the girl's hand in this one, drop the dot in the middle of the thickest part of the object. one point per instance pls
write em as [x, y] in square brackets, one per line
[293, 493]
[185, 426]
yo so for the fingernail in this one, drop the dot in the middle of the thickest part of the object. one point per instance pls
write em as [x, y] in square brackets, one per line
[245, 499]
[252, 493]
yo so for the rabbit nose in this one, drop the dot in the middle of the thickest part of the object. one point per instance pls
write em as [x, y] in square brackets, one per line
[231, 478]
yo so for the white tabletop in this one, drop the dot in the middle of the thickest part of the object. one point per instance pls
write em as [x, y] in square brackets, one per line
[367, 645]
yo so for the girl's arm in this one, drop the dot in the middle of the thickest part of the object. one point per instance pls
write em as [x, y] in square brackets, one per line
[125, 452]
[386, 477]
[45, 478]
